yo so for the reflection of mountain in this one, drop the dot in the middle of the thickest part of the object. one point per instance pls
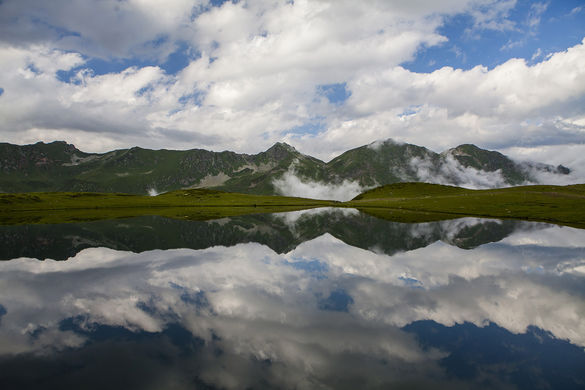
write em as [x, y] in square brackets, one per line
[281, 232]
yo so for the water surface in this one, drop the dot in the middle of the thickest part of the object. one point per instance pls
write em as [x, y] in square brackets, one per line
[316, 299]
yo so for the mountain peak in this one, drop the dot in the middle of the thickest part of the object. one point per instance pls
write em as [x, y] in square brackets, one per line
[382, 142]
[466, 149]
[475, 152]
[55, 149]
[282, 146]
[281, 150]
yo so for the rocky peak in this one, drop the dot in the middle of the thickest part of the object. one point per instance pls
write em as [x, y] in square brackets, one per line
[280, 151]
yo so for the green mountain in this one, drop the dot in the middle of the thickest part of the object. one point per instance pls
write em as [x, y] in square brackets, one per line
[387, 162]
[59, 166]
[381, 162]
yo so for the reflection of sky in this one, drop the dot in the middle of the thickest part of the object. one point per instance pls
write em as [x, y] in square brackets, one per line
[323, 309]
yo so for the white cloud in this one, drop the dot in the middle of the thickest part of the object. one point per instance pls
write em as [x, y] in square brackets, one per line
[493, 16]
[535, 14]
[290, 184]
[450, 171]
[255, 73]
[576, 10]
[512, 104]
[537, 54]
[572, 156]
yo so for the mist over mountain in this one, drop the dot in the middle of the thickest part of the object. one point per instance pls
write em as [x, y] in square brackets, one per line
[281, 169]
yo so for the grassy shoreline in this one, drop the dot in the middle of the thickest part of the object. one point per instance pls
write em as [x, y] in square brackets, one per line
[402, 202]
[564, 205]
[197, 204]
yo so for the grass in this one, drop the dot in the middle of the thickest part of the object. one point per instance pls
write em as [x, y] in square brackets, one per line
[563, 205]
[196, 204]
[402, 202]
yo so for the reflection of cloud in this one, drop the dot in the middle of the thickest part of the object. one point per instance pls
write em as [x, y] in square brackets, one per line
[291, 218]
[452, 227]
[552, 237]
[251, 303]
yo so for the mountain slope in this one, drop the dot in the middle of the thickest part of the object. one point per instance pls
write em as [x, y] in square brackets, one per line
[387, 162]
[59, 166]
[381, 162]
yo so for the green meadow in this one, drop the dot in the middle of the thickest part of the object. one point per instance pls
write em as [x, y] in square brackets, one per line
[195, 204]
[564, 205]
[402, 202]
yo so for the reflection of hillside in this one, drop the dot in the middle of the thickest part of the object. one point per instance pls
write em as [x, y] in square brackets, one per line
[281, 232]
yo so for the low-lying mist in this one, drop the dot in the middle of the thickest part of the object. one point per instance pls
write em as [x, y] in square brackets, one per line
[448, 171]
[292, 185]
[452, 172]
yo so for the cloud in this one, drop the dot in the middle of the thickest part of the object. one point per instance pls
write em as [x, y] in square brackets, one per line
[535, 14]
[572, 156]
[512, 104]
[451, 171]
[537, 54]
[254, 71]
[290, 184]
[493, 16]
[135, 27]
[576, 10]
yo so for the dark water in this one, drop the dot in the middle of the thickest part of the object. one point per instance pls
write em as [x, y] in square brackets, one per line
[321, 299]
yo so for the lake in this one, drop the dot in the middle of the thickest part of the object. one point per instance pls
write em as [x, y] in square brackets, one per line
[316, 299]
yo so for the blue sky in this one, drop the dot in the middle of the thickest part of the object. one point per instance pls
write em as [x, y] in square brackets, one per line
[324, 76]
[537, 29]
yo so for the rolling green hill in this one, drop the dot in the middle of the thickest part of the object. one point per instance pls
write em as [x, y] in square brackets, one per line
[557, 204]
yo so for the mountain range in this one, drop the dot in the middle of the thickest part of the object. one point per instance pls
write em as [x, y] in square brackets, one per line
[58, 166]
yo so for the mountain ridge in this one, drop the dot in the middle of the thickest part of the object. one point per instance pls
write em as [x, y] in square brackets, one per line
[59, 166]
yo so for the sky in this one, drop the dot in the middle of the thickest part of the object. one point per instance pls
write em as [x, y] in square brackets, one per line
[323, 76]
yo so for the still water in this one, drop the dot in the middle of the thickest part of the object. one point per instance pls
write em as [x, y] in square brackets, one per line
[320, 299]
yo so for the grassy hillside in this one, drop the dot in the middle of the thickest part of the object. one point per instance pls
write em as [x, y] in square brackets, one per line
[557, 204]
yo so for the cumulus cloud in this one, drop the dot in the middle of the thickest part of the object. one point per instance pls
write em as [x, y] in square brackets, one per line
[512, 94]
[254, 72]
